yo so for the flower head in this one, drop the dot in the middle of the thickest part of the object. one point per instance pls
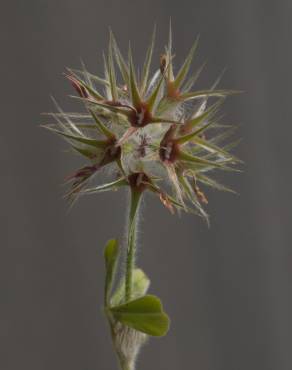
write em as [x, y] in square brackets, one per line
[154, 130]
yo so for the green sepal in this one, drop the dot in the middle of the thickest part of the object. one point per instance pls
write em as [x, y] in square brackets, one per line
[186, 66]
[102, 128]
[147, 63]
[111, 186]
[113, 109]
[86, 74]
[80, 139]
[111, 71]
[214, 149]
[119, 109]
[86, 86]
[89, 153]
[189, 137]
[191, 81]
[144, 314]
[95, 78]
[151, 101]
[119, 59]
[164, 120]
[169, 55]
[184, 156]
[108, 91]
[207, 93]
[140, 286]
[208, 113]
[135, 96]
[111, 256]
[206, 180]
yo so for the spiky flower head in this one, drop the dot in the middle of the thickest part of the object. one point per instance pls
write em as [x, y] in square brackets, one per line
[152, 131]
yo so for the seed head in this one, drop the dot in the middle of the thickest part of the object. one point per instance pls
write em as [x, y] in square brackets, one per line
[157, 132]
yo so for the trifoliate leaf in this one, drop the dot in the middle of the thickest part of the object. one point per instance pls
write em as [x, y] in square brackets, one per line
[144, 314]
[140, 285]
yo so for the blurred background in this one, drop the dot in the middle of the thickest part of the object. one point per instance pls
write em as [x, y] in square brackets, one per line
[227, 288]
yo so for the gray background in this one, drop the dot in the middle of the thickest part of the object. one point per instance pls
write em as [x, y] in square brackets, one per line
[227, 289]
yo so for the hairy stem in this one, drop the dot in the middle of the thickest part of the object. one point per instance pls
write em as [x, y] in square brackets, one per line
[132, 238]
[126, 366]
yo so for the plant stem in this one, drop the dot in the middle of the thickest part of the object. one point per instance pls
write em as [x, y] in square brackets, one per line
[132, 238]
[127, 366]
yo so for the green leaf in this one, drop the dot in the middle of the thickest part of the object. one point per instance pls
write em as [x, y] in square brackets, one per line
[140, 285]
[144, 314]
[111, 254]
